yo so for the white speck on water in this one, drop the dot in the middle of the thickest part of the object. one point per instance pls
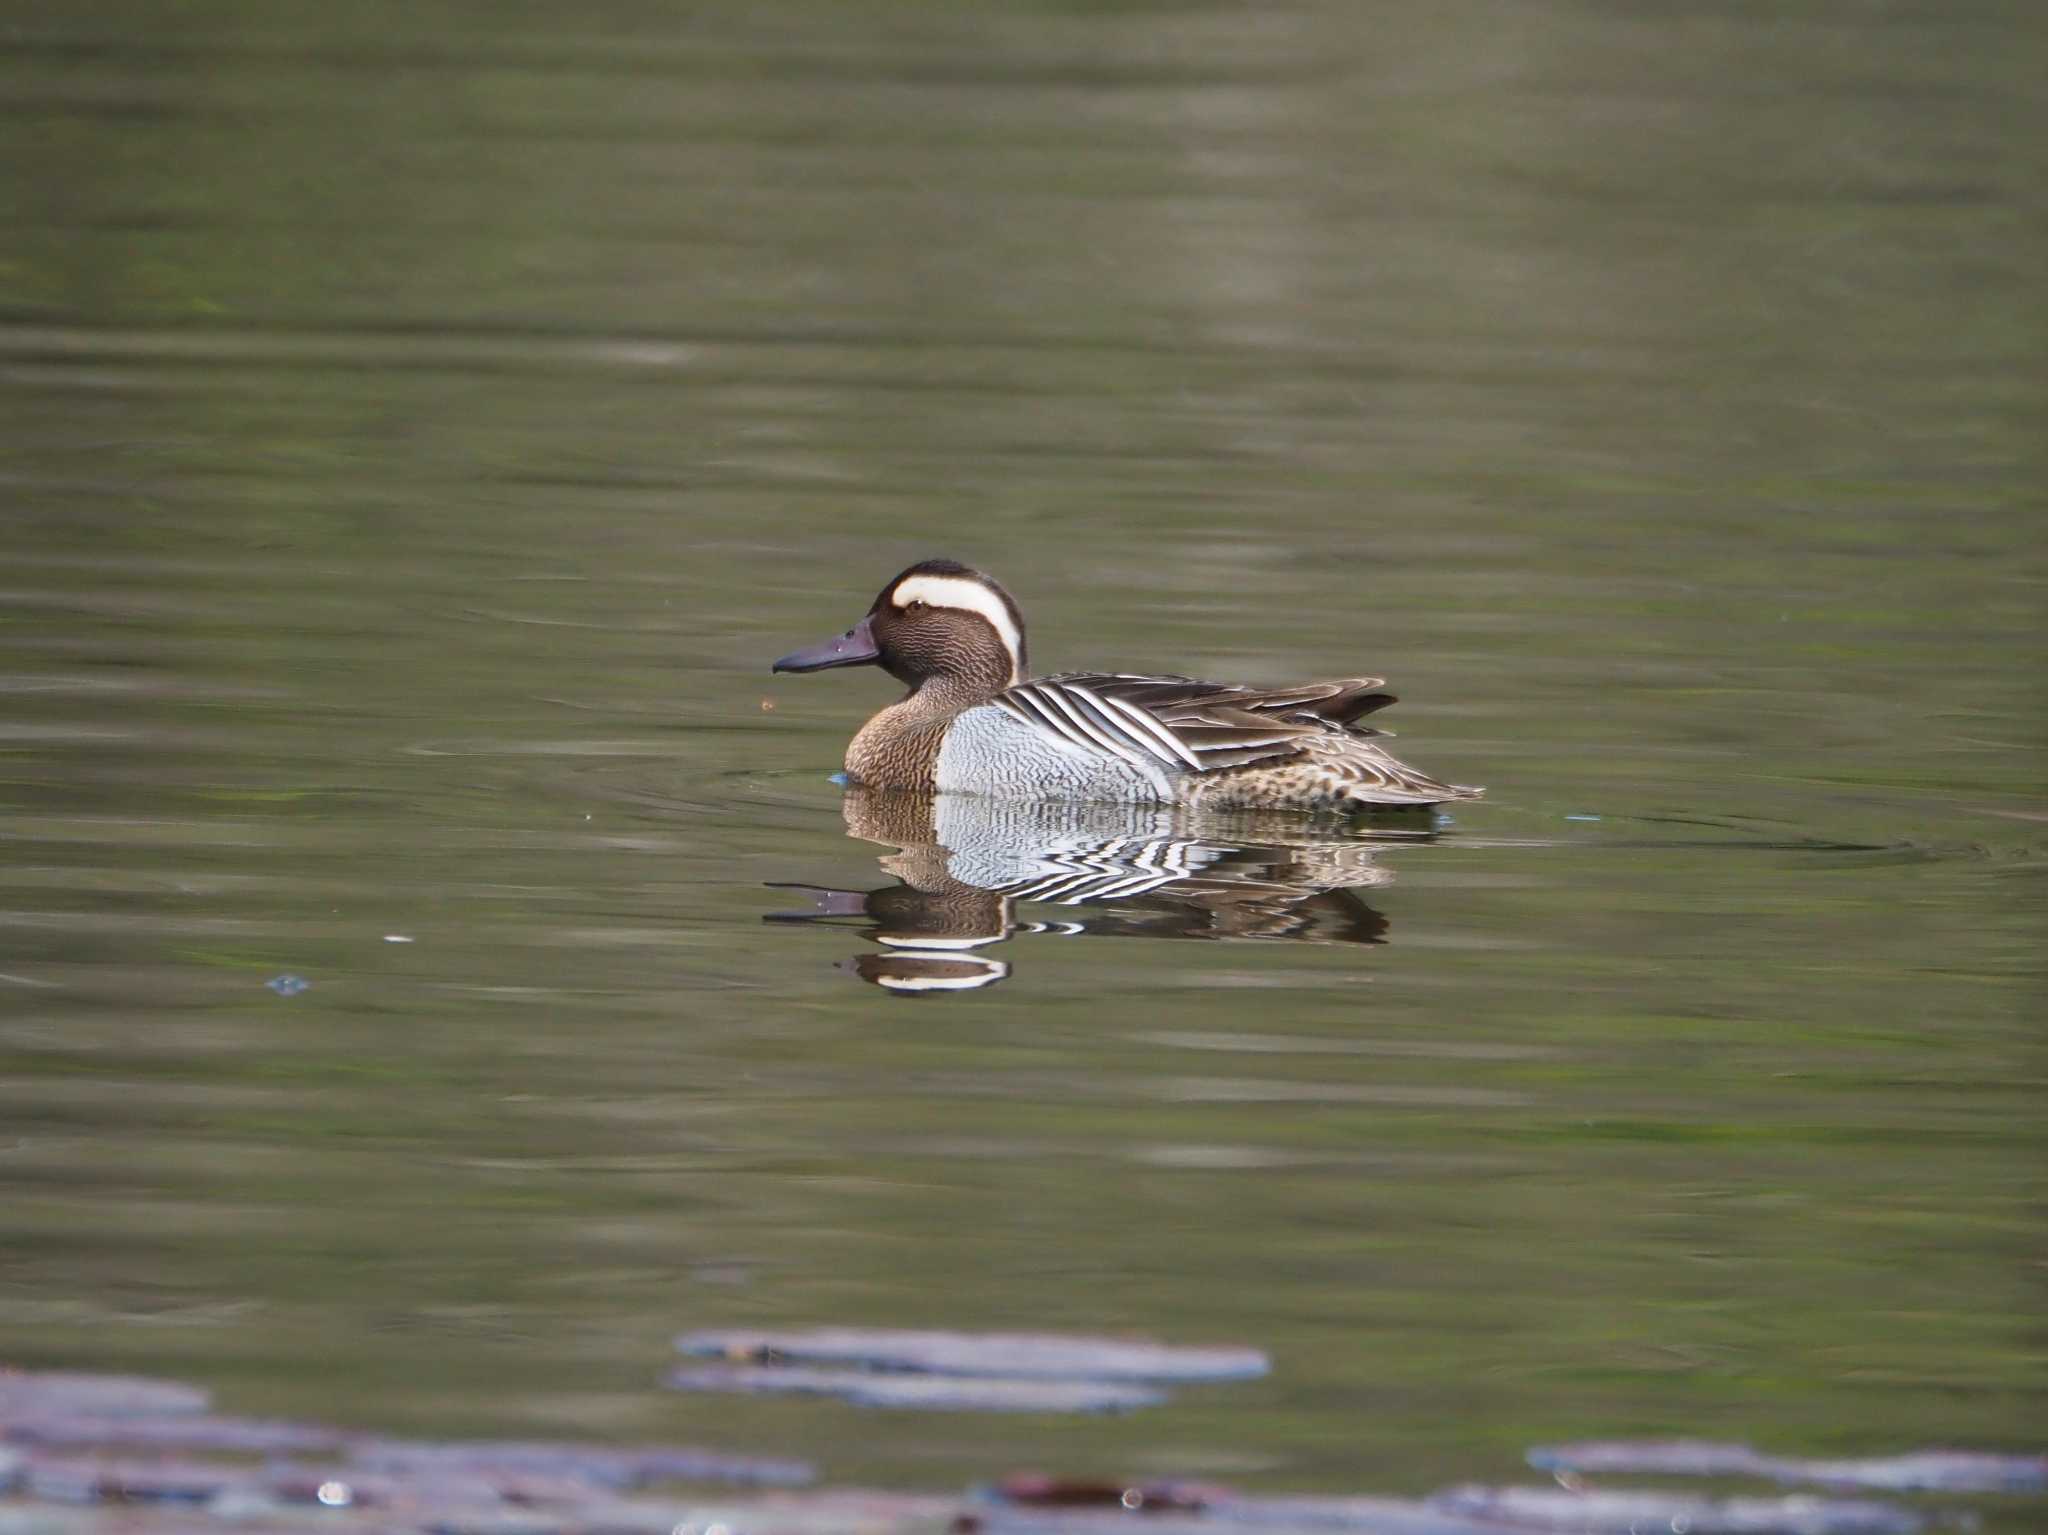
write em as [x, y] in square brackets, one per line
[335, 1495]
[396, 938]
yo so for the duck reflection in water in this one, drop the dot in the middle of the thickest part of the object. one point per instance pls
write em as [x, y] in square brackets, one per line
[964, 866]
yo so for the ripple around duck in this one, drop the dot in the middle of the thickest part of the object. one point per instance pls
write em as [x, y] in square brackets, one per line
[477, 615]
[497, 746]
[1508, 826]
[766, 798]
[1300, 1044]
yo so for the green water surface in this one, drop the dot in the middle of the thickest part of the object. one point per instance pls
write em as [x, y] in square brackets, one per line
[421, 425]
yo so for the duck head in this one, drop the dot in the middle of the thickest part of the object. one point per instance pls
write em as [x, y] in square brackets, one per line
[939, 623]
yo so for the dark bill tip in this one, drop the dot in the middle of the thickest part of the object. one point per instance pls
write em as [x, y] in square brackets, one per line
[856, 647]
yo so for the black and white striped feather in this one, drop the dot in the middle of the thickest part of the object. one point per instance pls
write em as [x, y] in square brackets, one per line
[1186, 725]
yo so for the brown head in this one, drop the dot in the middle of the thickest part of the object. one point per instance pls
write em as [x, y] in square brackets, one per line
[939, 625]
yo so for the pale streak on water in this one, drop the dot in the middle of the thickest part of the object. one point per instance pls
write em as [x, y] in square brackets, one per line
[419, 432]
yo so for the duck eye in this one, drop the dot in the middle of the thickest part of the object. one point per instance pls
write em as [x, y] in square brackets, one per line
[916, 606]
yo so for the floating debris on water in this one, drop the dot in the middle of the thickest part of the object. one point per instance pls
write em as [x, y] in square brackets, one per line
[73, 1439]
[1921, 1471]
[1461, 1511]
[1033, 1489]
[24, 1394]
[184, 1431]
[930, 1393]
[288, 985]
[1631, 1513]
[958, 1372]
[101, 1478]
[596, 1465]
[1045, 1356]
[116, 1455]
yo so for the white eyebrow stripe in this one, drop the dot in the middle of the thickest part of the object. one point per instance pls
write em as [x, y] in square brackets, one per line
[968, 597]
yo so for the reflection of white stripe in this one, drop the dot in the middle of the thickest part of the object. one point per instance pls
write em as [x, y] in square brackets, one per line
[909, 941]
[968, 597]
[1056, 887]
[995, 972]
[1130, 885]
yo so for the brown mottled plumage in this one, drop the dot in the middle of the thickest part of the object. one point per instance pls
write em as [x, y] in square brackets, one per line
[972, 722]
[899, 746]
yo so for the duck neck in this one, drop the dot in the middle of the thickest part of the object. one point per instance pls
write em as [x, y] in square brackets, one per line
[899, 747]
[954, 691]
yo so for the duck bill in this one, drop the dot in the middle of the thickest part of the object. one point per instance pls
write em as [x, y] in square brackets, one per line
[856, 647]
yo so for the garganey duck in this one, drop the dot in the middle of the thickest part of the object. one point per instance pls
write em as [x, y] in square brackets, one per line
[975, 722]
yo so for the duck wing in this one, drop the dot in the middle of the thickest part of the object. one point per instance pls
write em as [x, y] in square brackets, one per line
[1185, 723]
